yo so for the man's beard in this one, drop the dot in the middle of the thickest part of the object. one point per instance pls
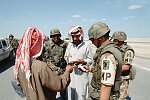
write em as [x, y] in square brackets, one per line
[76, 42]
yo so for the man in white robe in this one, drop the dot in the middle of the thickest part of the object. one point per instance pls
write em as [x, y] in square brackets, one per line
[78, 54]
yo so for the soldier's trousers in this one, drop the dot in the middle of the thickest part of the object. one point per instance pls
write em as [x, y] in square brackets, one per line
[14, 52]
[124, 89]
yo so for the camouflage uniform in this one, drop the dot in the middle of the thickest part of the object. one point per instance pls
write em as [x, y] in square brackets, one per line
[47, 40]
[45, 49]
[96, 31]
[55, 55]
[127, 56]
[13, 43]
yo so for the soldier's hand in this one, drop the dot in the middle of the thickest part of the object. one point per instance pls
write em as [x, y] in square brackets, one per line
[70, 68]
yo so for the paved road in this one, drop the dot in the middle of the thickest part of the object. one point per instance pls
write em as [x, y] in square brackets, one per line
[139, 88]
[6, 75]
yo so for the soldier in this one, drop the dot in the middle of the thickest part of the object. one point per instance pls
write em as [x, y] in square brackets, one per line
[13, 44]
[127, 51]
[56, 51]
[107, 65]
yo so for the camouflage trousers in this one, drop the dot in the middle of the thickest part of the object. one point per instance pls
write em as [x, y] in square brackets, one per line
[14, 52]
[124, 88]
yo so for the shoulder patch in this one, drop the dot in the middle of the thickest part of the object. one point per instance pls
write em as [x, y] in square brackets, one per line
[105, 64]
[128, 57]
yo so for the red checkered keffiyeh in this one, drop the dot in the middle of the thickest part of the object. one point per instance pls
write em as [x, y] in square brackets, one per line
[30, 47]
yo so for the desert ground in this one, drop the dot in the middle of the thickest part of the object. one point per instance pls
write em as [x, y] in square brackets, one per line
[141, 46]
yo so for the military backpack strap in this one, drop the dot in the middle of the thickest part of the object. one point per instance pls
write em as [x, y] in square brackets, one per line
[96, 79]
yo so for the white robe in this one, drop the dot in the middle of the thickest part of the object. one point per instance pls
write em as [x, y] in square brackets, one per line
[78, 87]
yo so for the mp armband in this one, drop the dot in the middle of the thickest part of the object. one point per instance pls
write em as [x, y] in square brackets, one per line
[128, 57]
[108, 67]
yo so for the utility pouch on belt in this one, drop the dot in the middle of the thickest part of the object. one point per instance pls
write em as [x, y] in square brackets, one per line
[114, 95]
[116, 86]
[94, 94]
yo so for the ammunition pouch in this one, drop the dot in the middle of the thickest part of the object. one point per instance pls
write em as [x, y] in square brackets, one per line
[116, 87]
[94, 94]
[114, 96]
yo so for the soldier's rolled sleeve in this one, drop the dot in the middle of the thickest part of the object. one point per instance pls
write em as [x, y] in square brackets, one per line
[108, 65]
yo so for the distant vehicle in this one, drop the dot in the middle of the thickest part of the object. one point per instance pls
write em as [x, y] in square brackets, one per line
[5, 50]
[67, 39]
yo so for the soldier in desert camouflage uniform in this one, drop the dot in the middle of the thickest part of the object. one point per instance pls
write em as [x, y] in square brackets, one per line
[107, 64]
[13, 44]
[55, 54]
[119, 38]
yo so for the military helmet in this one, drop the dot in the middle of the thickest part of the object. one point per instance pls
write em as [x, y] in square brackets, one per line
[97, 30]
[119, 35]
[10, 35]
[55, 32]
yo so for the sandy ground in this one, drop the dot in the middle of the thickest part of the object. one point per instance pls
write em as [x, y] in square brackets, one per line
[141, 46]
[138, 40]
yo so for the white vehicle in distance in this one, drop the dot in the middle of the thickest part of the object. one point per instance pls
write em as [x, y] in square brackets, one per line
[67, 39]
[5, 50]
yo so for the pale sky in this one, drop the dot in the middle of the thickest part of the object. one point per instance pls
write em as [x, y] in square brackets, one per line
[130, 16]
